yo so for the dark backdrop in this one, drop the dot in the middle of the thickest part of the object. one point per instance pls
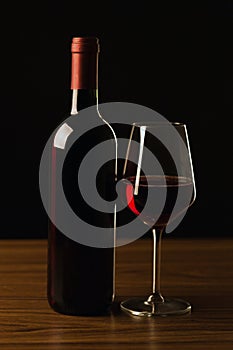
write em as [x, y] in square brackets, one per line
[175, 57]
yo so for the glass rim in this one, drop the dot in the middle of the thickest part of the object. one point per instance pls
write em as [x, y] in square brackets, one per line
[148, 124]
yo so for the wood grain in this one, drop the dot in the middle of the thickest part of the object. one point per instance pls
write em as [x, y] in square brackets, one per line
[200, 270]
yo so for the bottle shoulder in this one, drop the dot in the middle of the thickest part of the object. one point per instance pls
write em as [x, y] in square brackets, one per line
[86, 124]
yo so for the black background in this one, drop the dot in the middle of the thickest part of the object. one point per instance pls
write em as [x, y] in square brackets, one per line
[175, 57]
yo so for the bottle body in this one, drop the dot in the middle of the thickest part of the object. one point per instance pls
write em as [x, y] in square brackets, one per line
[80, 277]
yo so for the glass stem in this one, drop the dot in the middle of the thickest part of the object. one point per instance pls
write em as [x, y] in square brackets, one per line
[156, 296]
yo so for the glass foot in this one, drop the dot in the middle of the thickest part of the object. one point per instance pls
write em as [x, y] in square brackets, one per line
[141, 307]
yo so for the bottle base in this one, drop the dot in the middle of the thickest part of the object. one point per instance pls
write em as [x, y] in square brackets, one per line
[81, 310]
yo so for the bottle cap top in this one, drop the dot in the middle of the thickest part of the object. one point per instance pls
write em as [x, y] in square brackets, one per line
[85, 44]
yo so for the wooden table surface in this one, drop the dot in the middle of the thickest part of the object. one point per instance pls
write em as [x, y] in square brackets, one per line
[199, 270]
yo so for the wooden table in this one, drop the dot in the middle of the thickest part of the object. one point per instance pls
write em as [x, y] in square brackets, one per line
[200, 270]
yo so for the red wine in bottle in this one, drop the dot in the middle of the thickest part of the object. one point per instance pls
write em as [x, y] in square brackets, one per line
[80, 277]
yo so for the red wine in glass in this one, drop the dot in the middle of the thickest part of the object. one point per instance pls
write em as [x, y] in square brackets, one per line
[157, 184]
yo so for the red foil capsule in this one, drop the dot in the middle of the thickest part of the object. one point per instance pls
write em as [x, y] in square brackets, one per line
[84, 63]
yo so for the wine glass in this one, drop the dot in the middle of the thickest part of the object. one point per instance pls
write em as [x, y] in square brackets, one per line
[158, 186]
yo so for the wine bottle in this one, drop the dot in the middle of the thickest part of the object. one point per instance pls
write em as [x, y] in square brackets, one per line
[81, 277]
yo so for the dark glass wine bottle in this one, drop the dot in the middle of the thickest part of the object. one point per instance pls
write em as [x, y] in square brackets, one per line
[81, 277]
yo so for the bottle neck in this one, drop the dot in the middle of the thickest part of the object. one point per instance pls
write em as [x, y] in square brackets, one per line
[83, 98]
